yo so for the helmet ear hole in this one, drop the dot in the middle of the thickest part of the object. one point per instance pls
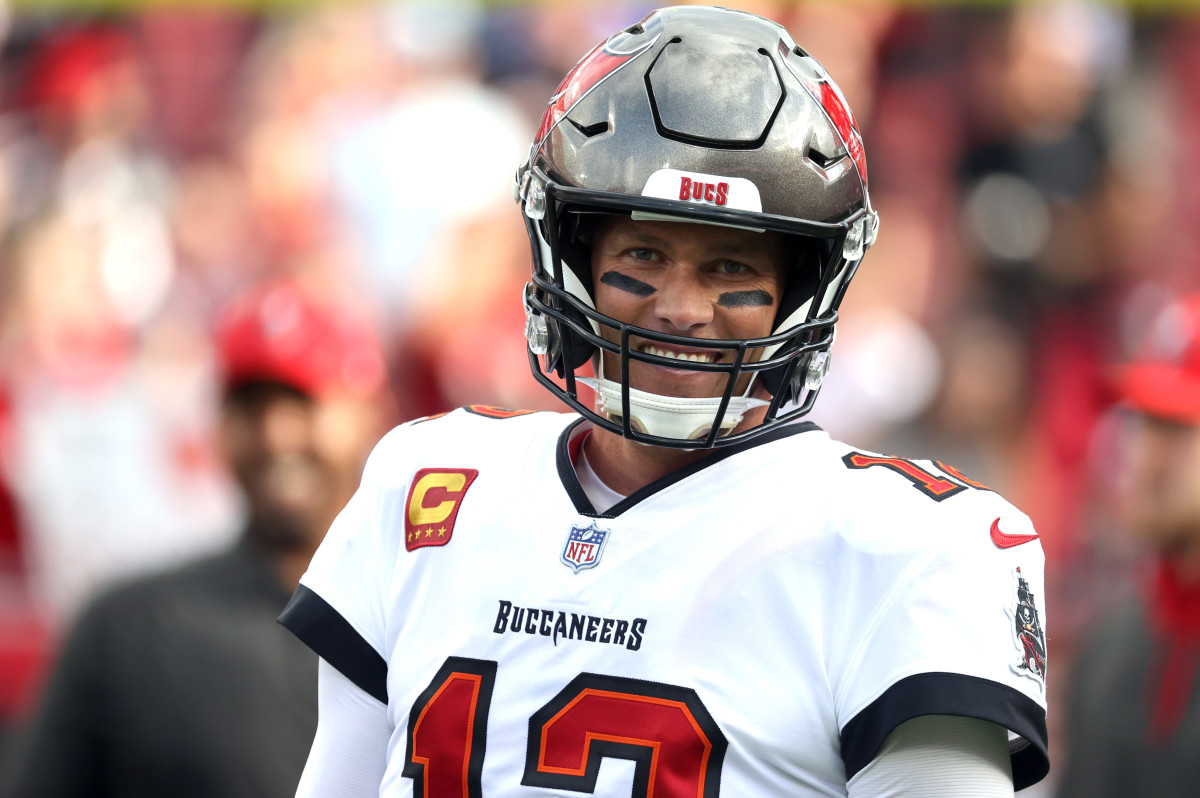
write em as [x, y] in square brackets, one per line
[780, 379]
[804, 276]
[575, 350]
[576, 232]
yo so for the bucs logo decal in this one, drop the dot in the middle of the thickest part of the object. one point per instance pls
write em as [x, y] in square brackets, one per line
[1027, 633]
[432, 505]
[584, 546]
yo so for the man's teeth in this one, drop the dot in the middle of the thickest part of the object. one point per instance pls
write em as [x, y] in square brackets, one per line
[696, 357]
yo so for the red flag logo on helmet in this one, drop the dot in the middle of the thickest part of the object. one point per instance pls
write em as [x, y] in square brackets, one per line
[594, 67]
[826, 92]
[839, 113]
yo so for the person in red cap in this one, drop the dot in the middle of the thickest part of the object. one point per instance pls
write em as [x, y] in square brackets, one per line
[182, 683]
[1133, 725]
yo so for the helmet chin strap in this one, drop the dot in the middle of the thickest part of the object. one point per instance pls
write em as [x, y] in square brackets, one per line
[679, 417]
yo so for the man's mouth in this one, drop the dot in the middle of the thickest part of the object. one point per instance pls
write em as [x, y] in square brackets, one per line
[694, 357]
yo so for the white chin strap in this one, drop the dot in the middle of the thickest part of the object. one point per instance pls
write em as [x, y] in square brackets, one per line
[676, 417]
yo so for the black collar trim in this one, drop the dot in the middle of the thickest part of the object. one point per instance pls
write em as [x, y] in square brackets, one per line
[570, 481]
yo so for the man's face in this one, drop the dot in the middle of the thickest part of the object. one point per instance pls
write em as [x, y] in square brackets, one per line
[694, 280]
[297, 459]
[1163, 488]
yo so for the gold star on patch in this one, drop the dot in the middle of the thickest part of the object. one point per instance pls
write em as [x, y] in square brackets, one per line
[442, 532]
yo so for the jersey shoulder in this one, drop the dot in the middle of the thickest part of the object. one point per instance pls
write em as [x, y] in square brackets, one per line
[467, 437]
[922, 500]
[922, 482]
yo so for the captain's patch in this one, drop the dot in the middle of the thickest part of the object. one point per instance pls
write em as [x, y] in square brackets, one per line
[432, 506]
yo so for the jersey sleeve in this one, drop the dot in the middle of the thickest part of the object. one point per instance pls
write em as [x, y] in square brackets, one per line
[349, 752]
[339, 608]
[959, 630]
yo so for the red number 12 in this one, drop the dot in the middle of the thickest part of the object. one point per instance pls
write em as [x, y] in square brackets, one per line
[932, 485]
[665, 730]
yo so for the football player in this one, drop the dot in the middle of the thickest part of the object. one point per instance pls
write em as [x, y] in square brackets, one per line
[681, 588]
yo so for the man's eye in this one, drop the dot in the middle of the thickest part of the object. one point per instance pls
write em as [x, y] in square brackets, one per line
[641, 254]
[733, 267]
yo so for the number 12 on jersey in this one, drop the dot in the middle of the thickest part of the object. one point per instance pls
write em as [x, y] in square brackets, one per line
[665, 730]
[950, 482]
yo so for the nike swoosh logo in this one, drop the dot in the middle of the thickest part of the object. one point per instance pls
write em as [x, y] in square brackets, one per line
[1008, 541]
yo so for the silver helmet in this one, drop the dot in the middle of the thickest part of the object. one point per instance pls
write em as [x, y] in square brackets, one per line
[706, 115]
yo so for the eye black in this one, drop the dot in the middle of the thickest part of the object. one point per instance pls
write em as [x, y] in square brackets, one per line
[627, 283]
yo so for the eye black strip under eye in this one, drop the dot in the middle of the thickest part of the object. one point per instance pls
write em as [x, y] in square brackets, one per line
[627, 283]
[745, 299]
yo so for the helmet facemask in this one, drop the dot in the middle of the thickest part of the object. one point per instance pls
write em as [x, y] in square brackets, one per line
[565, 329]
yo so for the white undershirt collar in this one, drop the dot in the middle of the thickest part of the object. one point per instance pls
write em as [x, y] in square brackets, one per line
[600, 495]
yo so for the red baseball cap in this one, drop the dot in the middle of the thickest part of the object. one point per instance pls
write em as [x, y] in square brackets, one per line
[277, 332]
[1164, 380]
[67, 60]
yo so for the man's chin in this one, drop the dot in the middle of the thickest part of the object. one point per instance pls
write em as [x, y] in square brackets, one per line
[280, 530]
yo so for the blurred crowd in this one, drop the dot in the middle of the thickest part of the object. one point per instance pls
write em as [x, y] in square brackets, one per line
[1032, 166]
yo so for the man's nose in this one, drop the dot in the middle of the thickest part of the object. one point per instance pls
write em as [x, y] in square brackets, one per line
[683, 301]
[283, 427]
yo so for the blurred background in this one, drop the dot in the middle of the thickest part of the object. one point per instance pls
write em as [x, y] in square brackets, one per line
[1033, 165]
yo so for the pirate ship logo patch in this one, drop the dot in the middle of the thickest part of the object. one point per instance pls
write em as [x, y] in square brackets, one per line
[584, 546]
[1027, 633]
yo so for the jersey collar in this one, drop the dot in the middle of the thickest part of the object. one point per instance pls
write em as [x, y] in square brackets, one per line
[572, 437]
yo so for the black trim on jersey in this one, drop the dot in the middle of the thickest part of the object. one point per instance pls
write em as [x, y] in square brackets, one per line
[952, 694]
[599, 748]
[583, 505]
[322, 628]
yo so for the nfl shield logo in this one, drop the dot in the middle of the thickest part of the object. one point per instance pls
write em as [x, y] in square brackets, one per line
[584, 546]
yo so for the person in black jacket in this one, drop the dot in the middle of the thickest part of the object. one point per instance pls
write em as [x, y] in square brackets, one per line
[182, 683]
[1133, 721]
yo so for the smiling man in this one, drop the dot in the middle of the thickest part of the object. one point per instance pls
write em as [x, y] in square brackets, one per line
[681, 588]
[180, 682]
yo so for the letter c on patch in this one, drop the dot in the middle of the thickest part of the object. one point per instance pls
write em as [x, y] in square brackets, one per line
[433, 502]
[419, 509]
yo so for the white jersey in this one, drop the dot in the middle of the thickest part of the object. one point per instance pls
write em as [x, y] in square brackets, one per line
[755, 624]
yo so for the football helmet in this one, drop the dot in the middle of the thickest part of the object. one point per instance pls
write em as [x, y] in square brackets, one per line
[703, 115]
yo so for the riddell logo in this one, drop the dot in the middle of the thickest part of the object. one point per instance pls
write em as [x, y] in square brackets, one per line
[717, 193]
